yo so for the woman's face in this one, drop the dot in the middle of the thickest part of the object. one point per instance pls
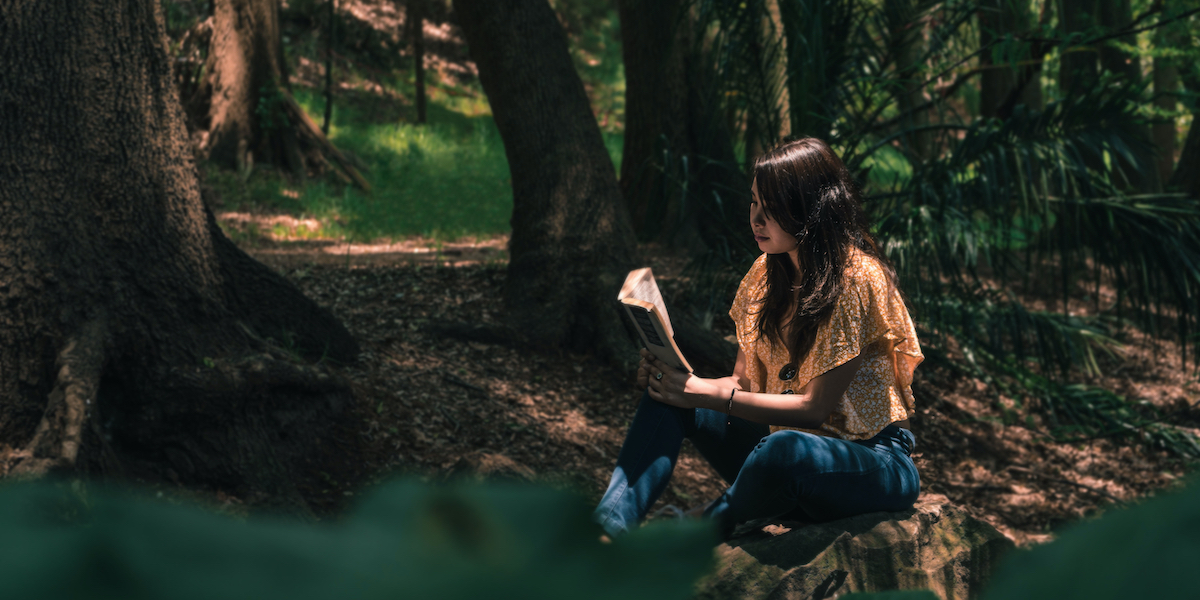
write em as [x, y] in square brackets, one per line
[771, 238]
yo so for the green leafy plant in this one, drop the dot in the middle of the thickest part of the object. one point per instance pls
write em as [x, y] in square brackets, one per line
[981, 216]
[1110, 557]
[407, 540]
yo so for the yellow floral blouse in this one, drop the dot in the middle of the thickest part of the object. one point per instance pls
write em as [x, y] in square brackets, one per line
[870, 319]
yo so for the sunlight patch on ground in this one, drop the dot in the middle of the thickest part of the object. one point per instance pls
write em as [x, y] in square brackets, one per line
[286, 242]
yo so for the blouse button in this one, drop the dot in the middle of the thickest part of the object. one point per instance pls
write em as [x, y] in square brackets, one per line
[787, 372]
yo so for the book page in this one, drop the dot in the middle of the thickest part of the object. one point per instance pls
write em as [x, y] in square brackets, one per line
[647, 290]
[653, 333]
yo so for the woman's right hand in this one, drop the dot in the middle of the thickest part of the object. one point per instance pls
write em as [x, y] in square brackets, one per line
[643, 372]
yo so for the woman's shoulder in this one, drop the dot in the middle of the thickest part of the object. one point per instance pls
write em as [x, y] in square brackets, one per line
[750, 290]
[864, 269]
[757, 271]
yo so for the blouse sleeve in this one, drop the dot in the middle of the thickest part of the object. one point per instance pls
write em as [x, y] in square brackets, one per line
[869, 315]
[747, 294]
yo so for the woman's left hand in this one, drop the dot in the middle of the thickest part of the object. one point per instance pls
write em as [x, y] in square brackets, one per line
[678, 388]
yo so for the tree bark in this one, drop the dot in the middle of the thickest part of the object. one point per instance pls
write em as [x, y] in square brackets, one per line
[415, 15]
[250, 113]
[807, 29]
[996, 19]
[246, 68]
[1166, 89]
[907, 45]
[655, 46]
[134, 337]
[571, 242]
[1167, 81]
[1187, 170]
[770, 123]
[677, 150]
[1078, 66]
[329, 46]
[1116, 15]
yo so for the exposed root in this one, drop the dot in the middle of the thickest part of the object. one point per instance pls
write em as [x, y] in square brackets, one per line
[326, 151]
[59, 435]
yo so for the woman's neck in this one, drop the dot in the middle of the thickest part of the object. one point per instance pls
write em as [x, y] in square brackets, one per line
[794, 254]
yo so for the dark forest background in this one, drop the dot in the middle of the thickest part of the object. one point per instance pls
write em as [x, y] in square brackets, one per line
[261, 254]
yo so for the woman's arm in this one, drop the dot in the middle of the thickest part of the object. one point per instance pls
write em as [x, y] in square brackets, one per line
[808, 408]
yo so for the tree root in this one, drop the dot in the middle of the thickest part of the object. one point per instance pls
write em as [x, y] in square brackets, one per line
[326, 151]
[57, 440]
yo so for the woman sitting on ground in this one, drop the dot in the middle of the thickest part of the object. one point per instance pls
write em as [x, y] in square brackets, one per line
[814, 420]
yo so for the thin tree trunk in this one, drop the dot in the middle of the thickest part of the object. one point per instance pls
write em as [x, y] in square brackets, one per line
[416, 10]
[766, 121]
[245, 71]
[134, 337]
[805, 27]
[996, 19]
[1167, 82]
[1187, 170]
[330, 45]
[1078, 66]
[1166, 89]
[907, 45]
[1116, 15]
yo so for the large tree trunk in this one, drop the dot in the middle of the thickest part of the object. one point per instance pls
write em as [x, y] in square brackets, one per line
[134, 337]
[246, 68]
[249, 113]
[655, 45]
[571, 242]
[677, 149]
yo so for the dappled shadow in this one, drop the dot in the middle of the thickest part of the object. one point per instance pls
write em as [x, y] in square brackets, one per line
[429, 401]
[788, 544]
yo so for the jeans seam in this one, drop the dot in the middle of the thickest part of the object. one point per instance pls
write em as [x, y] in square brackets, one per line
[616, 501]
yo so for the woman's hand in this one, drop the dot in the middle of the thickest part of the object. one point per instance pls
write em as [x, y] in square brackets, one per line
[644, 368]
[674, 387]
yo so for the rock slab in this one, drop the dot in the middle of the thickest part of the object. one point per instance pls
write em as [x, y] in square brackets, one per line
[935, 545]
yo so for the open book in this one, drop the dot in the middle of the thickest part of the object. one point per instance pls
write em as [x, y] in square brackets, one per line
[644, 303]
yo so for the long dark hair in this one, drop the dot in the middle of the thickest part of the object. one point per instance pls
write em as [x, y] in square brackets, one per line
[804, 187]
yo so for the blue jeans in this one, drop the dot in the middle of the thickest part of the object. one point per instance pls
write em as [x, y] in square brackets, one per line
[769, 474]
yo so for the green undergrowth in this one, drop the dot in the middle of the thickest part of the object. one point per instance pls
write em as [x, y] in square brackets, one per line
[447, 179]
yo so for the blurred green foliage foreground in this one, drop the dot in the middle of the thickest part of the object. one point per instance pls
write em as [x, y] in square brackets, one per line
[411, 540]
[405, 540]
[1148, 551]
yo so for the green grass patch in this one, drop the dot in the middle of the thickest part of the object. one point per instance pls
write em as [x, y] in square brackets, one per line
[447, 179]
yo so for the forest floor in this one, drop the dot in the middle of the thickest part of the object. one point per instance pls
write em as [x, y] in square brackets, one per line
[433, 406]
